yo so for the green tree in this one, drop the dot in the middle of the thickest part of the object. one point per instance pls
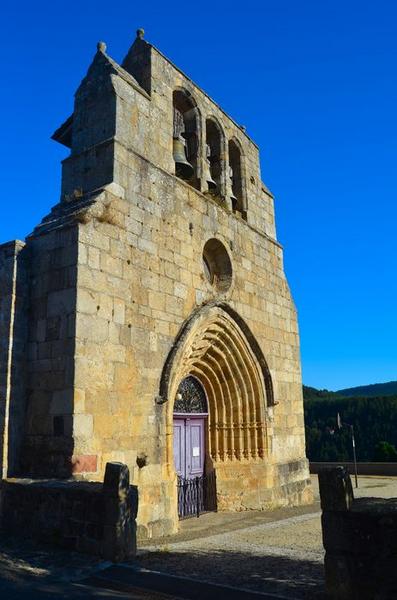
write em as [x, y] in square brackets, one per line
[374, 420]
[385, 452]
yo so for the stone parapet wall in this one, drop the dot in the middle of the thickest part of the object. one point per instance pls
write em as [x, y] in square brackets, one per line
[82, 516]
[363, 468]
[360, 540]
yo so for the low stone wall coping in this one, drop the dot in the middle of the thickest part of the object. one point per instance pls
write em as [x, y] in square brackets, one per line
[61, 484]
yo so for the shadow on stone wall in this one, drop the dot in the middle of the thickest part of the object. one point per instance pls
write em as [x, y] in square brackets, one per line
[13, 341]
[360, 540]
[99, 519]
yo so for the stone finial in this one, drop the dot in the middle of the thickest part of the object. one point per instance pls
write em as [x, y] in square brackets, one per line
[101, 47]
[140, 33]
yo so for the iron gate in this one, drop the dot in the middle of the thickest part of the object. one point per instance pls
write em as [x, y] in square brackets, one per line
[196, 495]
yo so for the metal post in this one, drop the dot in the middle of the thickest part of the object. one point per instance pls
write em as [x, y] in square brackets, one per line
[354, 454]
[197, 497]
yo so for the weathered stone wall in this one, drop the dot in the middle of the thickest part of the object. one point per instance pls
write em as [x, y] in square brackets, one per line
[86, 517]
[140, 277]
[13, 337]
[52, 414]
[360, 540]
[90, 164]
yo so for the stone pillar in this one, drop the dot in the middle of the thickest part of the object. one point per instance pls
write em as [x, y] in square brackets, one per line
[360, 541]
[120, 510]
[336, 492]
[13, 338]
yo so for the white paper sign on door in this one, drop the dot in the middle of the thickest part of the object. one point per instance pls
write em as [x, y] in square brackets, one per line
[196, 451]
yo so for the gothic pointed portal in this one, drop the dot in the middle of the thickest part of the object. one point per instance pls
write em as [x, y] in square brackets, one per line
[216, 351]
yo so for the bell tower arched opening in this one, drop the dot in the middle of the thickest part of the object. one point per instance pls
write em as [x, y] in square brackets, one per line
[213, 158]
[186, 127]
[236, 180]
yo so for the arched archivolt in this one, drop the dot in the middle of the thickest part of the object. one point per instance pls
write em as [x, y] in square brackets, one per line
[214, 156]
[217, 347]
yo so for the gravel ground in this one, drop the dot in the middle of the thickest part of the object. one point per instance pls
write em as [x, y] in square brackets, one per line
[284, 557]
[22, 558]
[282, 554]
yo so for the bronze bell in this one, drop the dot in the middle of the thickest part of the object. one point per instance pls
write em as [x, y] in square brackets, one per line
[231, 191]
[211, 184]
[183, 168]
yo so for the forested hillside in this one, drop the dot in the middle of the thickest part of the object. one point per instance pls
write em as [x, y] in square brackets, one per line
[374, 420]
[374, 390]
[311, 393]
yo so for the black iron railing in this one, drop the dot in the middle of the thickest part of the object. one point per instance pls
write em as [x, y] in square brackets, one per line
[196, 495]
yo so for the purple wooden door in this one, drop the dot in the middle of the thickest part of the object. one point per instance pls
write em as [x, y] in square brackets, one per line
[179, 446]
[189, 448]
[194, 447]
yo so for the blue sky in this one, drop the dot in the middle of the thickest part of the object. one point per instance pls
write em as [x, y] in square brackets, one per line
[315, 84]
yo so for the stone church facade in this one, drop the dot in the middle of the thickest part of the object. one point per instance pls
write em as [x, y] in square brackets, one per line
[148, 319]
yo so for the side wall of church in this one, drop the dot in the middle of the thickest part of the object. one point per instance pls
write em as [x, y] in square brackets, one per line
[13, 335]
[49, 422]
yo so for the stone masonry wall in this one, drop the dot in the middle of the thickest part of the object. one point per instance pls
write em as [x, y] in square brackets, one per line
[49, 423]
[139, 278]
[85, 517]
